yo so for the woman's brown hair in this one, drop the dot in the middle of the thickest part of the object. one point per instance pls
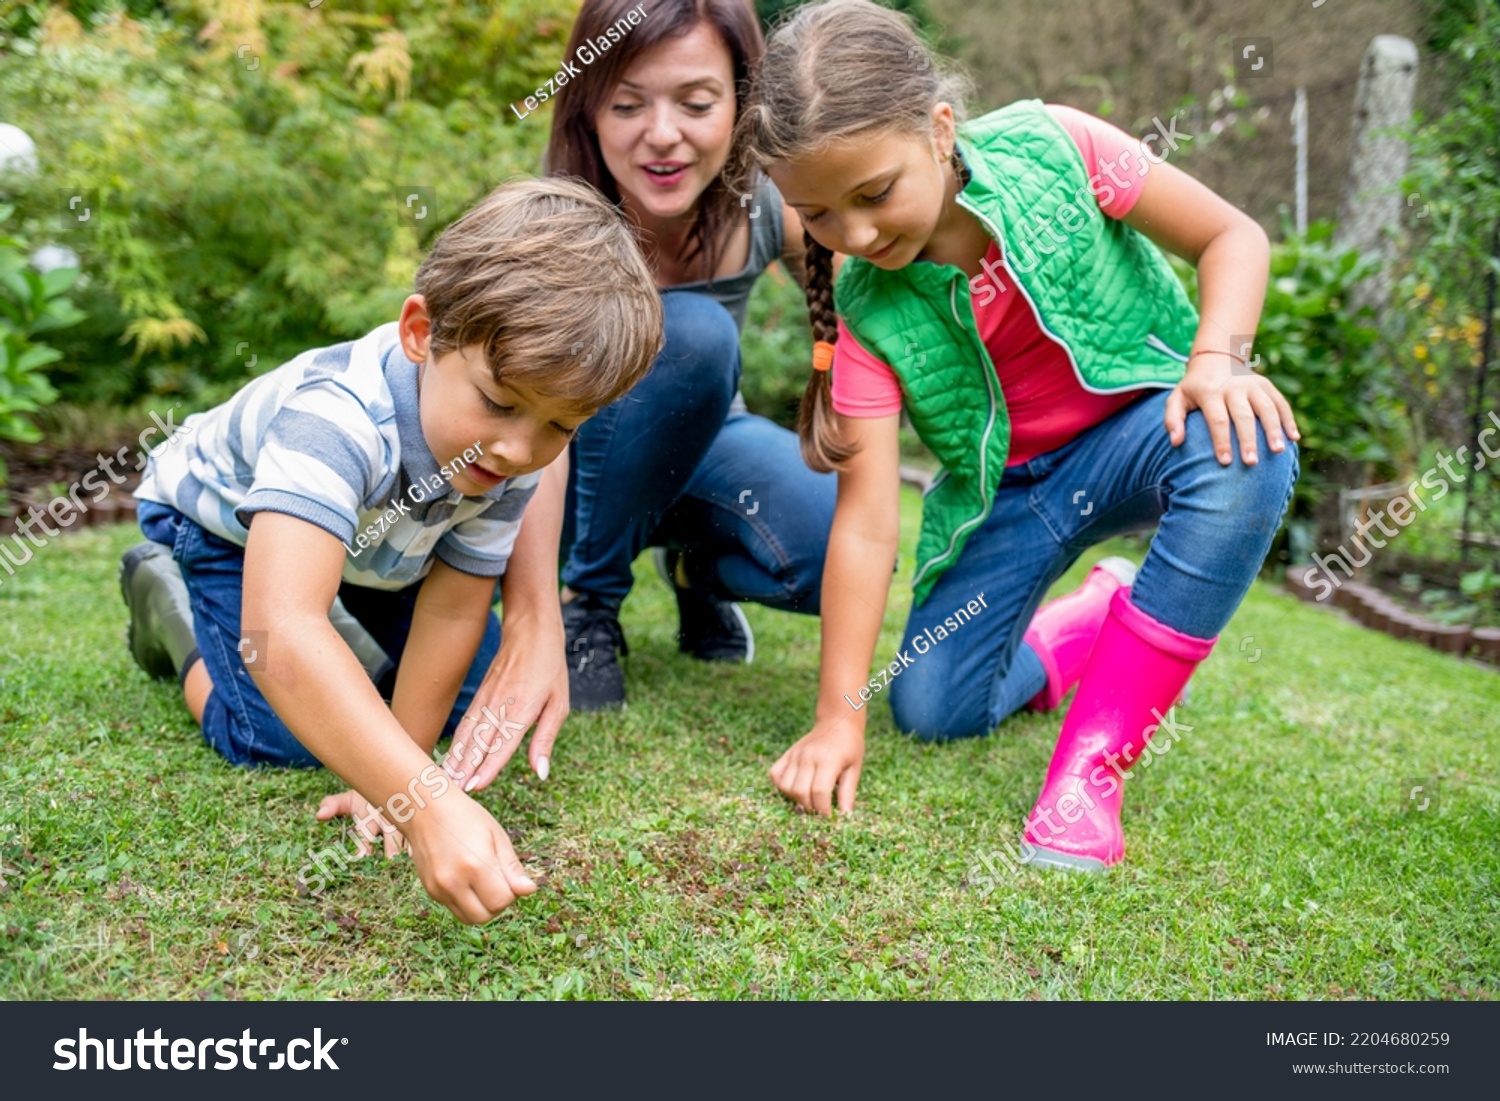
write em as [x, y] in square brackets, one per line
[573, 147]
[834, 72]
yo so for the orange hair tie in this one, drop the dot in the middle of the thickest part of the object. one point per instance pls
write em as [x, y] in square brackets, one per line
[822, 356]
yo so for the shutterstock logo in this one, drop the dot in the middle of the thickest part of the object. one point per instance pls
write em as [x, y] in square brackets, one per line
[184, 1054]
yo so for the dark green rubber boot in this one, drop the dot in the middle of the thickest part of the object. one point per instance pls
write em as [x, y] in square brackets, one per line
[161, 616]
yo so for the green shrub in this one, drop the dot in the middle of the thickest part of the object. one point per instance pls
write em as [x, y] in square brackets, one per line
[776, 348]
[30, 303]
[1443, 322]
[245, 167]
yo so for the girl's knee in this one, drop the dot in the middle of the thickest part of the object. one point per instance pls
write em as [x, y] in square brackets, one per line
[931, 716]
[1261, 490]
[1268, 488]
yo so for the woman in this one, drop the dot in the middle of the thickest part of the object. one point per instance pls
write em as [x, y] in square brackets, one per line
[679, 463]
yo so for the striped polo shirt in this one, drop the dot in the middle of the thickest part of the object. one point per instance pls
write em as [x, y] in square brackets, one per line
[333, 437]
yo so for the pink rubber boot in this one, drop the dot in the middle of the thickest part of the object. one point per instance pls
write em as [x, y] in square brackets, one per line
[1138, 667]
[1062, 631]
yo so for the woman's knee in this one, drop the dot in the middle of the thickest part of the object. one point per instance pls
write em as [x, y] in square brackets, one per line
[700, 357]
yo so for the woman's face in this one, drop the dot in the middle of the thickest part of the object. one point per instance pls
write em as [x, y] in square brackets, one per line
[665, 131]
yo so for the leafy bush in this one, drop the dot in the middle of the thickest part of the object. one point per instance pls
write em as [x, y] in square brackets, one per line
[245, 167]
[30, 303]
[776, 348]
[1320, 353]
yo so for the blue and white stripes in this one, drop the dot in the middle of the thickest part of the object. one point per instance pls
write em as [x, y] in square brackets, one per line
[334, 437]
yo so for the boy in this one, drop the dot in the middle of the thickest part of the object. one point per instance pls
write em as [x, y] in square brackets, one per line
[391, 473]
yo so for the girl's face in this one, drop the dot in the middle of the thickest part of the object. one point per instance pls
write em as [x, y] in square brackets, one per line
[665, 131]
[879, 196]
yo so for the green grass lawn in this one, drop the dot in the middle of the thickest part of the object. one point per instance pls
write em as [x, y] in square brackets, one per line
[1272, 852]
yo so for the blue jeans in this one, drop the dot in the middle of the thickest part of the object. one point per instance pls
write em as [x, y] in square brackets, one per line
[670, 465]
[237, 720]
[1216, 525]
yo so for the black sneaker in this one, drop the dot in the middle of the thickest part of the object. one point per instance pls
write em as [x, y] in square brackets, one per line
[595, 644]
[709, 629]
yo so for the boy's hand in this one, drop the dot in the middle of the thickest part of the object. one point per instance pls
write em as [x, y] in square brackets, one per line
[528, 683]
[1224, 399]
[465, 859]
[368, 823]
[827, 757]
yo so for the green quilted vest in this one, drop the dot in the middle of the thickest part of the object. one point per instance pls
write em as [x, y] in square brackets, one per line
[1104, 292]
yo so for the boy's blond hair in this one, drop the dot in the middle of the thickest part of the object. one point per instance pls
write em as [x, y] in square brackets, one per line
[546, 277]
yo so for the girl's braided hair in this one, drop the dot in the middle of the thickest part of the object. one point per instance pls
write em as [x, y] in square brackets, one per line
[833, 72]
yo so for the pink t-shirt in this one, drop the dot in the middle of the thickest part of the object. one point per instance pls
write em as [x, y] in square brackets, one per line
[1047, 404]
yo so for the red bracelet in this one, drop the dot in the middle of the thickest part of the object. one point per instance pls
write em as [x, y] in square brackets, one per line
[1209, 352]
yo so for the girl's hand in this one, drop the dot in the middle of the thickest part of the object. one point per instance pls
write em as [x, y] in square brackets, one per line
[1224, 399]
[827, 757]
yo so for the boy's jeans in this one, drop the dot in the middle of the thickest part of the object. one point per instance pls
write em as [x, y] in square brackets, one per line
[1216, 525]
[669, 464]
[237, 720]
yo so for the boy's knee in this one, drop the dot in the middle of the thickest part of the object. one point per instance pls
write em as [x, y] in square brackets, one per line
[251, 741]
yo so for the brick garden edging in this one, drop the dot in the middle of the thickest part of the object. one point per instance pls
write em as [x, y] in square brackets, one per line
[117, 508]
[1372, 608]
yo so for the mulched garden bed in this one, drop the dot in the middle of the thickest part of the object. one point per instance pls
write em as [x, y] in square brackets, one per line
[38, 471]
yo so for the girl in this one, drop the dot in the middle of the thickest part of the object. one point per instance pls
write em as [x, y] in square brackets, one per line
[1002, 285]
[679, 463]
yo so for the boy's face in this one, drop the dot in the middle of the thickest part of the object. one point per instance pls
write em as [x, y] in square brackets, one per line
[517, 429]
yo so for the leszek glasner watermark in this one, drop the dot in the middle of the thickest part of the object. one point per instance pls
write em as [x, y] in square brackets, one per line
[921, 644]
[418, 491]
[586, 54]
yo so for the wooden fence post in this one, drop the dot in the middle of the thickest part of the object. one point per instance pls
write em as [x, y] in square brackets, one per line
[1371, 208]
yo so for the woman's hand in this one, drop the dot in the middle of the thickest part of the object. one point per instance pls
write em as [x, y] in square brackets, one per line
[1227, 399]
[827, 757]
[527, 683]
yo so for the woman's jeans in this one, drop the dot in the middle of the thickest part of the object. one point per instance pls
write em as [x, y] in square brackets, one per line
[670, 464]
[237, 720]
[1216, 526]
